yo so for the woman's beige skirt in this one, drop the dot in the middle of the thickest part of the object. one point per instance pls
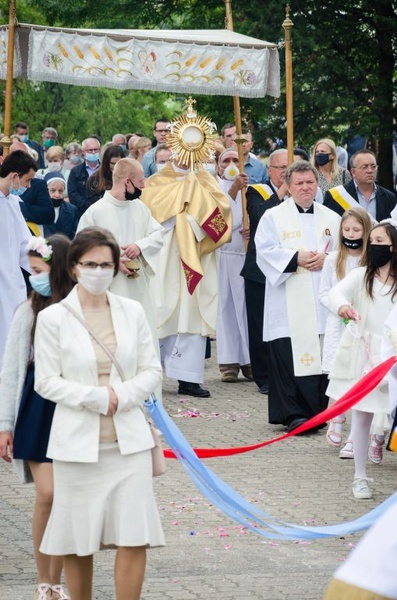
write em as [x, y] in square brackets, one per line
[105, 504]
[339, 590]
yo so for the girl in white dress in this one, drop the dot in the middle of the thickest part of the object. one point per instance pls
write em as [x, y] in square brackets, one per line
[353, 235]
[365, 297]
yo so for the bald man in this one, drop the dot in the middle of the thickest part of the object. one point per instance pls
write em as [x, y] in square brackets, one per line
[139, 235]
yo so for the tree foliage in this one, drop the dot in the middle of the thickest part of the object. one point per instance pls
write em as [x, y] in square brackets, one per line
[344, 57]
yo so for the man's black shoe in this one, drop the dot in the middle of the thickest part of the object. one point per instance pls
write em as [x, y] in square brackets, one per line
[263, 389]
[192, 389]
[295, 423]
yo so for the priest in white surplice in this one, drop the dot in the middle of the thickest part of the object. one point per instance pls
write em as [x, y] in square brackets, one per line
[139, 235]
[292, 241]
[195, 214]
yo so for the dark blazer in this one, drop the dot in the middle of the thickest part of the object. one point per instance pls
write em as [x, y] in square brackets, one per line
[256, 208]
[36, 205]
[79, 193]
[40, 151]
[66, 223]
[385, 201]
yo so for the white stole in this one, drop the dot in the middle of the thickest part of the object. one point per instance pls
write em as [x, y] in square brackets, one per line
[301, 303]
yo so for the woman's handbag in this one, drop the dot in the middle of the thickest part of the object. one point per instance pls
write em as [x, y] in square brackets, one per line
[158, 460]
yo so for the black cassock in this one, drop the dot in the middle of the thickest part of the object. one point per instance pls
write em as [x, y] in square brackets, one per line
[292, 397]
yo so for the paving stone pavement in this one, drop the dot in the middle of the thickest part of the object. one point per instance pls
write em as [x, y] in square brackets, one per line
[208, 556]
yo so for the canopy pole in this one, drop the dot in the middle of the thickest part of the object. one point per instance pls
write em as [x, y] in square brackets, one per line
[237, 121]
[6, 140]
[288, 25]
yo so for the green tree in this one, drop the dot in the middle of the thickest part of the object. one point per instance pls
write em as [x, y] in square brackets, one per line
[344, 63]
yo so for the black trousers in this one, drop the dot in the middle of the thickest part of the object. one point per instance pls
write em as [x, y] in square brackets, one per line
[255, 302]
[292, 397]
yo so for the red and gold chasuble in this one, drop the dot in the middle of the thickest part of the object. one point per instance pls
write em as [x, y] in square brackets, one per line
[197, 195]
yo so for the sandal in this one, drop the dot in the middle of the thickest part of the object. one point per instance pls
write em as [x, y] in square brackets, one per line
[43, 592]
[59, 591]
[333, 437]
[347, 450]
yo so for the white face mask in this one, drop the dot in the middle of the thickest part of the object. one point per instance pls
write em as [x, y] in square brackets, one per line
[95, 281]
[210, 168]
[54, 166]
[231, 172]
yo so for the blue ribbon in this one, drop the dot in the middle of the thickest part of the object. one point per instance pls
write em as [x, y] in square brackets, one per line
[237, 507]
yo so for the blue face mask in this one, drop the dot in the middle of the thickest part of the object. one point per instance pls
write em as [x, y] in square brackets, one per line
[75, 159]
[92, 157]
[21, 190]
[23, 138]
[41, 284]
[123, 147]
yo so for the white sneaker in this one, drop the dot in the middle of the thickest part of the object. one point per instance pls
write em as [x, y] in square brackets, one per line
[361, 489]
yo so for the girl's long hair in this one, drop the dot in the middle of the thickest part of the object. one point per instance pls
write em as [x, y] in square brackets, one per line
[371, 269]
[361, 217]
[60, 281]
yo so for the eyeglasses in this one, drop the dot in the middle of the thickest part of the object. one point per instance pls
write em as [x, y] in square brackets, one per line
[281, 167]
[91, 150]
[366, 167]
[161, 130]
[87, 264]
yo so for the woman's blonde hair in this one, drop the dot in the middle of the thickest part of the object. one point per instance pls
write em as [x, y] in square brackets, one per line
[141, 143]
[334, 161]
[55, 152]
[361, 217]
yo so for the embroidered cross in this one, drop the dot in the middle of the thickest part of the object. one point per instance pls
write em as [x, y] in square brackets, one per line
[307, 359]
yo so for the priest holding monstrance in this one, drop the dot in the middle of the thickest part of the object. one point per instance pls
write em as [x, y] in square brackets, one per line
[292, 241]
[195, 214]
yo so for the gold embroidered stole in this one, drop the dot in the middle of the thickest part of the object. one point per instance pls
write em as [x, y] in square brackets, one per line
[170, 194]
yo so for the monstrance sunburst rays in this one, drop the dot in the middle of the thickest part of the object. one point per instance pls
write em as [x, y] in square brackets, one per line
[191, 137]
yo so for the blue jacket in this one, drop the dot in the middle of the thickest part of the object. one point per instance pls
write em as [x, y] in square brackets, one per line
[36, 205]
[79, 193]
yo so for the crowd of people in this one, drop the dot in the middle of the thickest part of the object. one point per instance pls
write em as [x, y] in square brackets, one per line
[132, 263]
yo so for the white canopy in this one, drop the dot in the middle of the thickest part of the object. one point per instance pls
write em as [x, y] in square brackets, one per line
[214, 62]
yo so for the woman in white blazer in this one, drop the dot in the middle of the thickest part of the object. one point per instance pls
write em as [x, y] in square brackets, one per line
[100, 441]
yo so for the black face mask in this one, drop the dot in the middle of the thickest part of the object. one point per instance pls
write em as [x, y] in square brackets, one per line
[352, 244]
[56, 203]
[322, 159]
[379, 254]
[136, 194]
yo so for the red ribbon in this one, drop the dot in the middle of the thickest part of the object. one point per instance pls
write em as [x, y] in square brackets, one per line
[356, 393]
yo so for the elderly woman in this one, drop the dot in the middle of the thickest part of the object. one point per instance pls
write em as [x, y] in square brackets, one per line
[325, 159]
[73, 155]
[100, 441]
[55, 157]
